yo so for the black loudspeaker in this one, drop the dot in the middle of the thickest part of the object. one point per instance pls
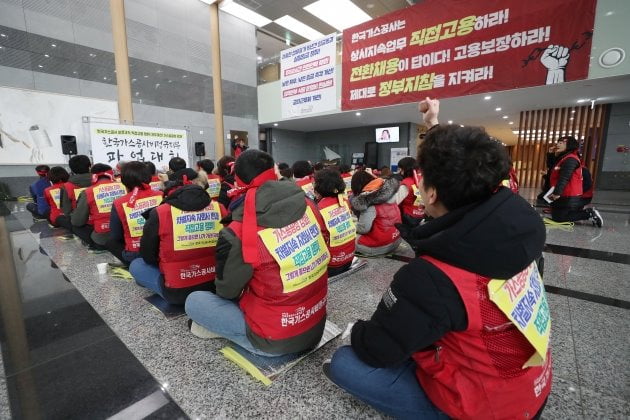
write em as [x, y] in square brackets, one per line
[371, 155]
[69, 145]
[200, 148]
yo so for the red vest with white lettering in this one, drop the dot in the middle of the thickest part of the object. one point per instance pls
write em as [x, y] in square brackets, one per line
[156, 183]
[477, 373]
[187, 257]
[574, 186]
[269, 311]
[53, 198]
[73, 192]
[100, 208]
[343, 253]
[214, 186]
[410, 205]
[131, 218]
[383, 231]
[306, 184]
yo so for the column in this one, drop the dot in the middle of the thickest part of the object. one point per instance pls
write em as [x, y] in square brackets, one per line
[121, 57]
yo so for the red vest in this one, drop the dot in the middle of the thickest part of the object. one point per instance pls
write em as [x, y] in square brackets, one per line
[52, 195]
[287, 293]
[100, 198]
[214, 186]
[412, 204]
[306, 184]
[477, 373]
[73, 192]
[188, 242]
[574, 186]
[131, 218]
[340, 231]
[383, 231]
[156, 184]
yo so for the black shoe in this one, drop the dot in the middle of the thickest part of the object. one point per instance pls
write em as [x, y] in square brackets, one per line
[596, 218]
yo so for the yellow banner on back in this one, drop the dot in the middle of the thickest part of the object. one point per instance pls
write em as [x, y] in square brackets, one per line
[300, 251]
[105, 194]
[214, 187]
[196, 229]
[135, 221]
[55, 193]
[340, 225]
[522, 299]
[416, 192]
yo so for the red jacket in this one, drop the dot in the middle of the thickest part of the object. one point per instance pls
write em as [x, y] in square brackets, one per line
[574, 186]
[412, 204]
[73, 192]
[188, 242]
[383, 230]
[339, 230]
[131, 217]
[52, 195]
[287, 293]
[478, 373]
[100, 198]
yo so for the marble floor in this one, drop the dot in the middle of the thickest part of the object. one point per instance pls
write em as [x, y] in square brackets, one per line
[76, 344]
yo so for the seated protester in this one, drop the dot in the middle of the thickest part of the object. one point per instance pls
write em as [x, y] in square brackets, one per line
[375, 201]
[259, 287]
[90, 220]
[80, 179]
[511, 181]
[408, 195]
[155, 183]
[566, 180]
[286, 173]
[126, 221]
[225, 167]
[437, 345]
[339, 229]
[174, 165]
[57, 177]
[303, 177]
[177, 248]
[318, 166]
[39, 207]
[214, 181]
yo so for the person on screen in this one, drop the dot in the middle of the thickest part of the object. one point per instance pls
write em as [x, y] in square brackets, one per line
[385, 136]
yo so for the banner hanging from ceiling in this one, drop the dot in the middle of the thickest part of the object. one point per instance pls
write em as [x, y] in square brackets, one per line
[307, 78]
[458, 47]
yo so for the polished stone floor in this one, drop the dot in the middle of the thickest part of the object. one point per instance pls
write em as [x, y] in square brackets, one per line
[76, 344]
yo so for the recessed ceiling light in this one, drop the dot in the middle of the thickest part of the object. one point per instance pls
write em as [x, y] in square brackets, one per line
[573, 112]
[146, 76]
[610, 13]
[450, 121]
[133, 80]
[298, 27]
[505, 117]
[358, 114]
[275, 124]
[497, 109]
[259, 58]
[487, 98]
[340, 14]
[46, 55]
[92, 55]
[511, 122]
[185, 76]
[461, 125]
[75, 72]
[579, 101]
[571, 119]
[3, 35]
[40, 66]
[53, 45]
[243, 13]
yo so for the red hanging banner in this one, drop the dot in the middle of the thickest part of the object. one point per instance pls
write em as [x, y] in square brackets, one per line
[450, 48]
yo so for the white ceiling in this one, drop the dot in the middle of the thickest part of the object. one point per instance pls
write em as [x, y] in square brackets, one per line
[474, 110]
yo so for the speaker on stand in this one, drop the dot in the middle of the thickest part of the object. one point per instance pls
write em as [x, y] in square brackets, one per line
[200, 148]
[68, 145]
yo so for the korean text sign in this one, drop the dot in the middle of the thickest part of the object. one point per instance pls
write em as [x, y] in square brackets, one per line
[455, 47]
[113, 143]
[308, 78]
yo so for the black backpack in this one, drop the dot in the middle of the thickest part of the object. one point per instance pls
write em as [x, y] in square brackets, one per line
[587, 179]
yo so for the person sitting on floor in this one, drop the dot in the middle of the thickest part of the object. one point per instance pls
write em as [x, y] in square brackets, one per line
[286, 173]
[303, 177]
[214, 181]
[57, 177]
[271, 268]
[411, 207]
[374, 199]
[339, 228]
[80, 179]
[177, 249]
[126, 222]
[438, 346]
[175, 165]
[225, 170]
[156, 183]
[39, 207]
[90, 220]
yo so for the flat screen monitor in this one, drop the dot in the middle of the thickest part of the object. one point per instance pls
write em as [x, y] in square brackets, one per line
[387, 135]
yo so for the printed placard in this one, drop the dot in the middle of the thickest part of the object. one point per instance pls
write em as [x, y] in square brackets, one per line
[105, 194]
[196, 229]
[55, 194]
[300, 251]
[135, 221]
[78, 191]
[416, 191]
[340, 225]
[522, 299]
[214, 187]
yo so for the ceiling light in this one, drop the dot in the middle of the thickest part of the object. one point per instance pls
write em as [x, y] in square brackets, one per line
[259, 58]
[511, 122]
[53, 45]
[450, 121]
[487, 98]
[299, 28]
[573, 112]
[243, 13]
[571, 119]
[579, 101]
[505, 117]
[46, 55]
[340, 14]
[40, 66]
[92, 55]
[275, 124]
[358, 114]
[461, 125]
[3, 35]
[610, 13]
[208, 1]
[497, 109]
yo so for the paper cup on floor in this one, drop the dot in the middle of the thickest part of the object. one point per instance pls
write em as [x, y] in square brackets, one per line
[102, 268]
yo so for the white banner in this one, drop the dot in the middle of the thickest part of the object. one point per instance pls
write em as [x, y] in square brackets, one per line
[396, 154]
[112, 143]
[307, 77]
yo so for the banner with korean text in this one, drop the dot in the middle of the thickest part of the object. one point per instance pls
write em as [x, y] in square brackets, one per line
[307, 78]
[112, 143]
[458, 47]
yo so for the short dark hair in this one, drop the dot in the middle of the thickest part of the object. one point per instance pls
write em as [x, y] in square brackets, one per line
[407, 165]
[207, 165]
[572, 143]
[58, 174]
[252, 163]
[80, 164]
[134, 174]
[283, 165]
[359, 180]
[176, 164]
[463, 164]
[150, 167]
[42, 168]
[328, 183]
[100, 167]
[223, 169]
[302, 168]
[285, 170]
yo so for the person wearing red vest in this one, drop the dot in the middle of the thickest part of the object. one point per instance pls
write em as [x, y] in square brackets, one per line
[566, 181]
[156, 183]
[80, 178]
[463, 330]
[272, 285]
[178, 244]
[411, 207]
[126, 220]
[225, 170]
[57, 177]
[90, 219]
[346, 175]
[303, 177]
[375, 201]
[339, 228]
[213, 187]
